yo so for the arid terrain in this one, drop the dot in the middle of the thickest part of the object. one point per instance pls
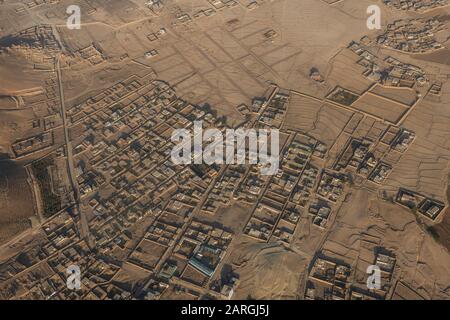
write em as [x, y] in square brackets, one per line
[88, 113]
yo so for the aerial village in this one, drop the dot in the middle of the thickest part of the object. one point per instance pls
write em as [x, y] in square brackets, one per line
[416, 5]
[127, 183]
[413, 36]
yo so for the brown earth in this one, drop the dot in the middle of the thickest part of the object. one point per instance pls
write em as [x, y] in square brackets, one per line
[14, 211]
[441, 232]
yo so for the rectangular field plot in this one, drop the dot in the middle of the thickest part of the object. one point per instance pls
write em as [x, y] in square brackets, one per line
[406, 96]
[148, 253]
[380, 107]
